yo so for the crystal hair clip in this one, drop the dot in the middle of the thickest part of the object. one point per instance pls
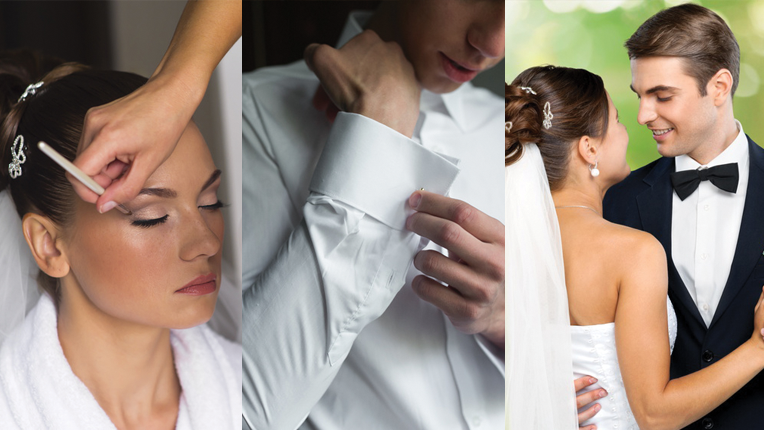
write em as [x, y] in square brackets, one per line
[508, 126]
[548, 116]
[18, 157]
[30, 91]
[528, 90]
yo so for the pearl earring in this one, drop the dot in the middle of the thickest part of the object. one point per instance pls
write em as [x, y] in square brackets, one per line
[594, 170]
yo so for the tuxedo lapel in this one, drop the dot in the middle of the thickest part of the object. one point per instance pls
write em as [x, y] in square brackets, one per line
[655, 206]
[750, 242]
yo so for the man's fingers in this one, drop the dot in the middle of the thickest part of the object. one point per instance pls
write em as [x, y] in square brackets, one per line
[456, 275]
[587, 414]
[590, 397]
[584, 382]
[480, 225]
[321, 101]
[448, 300]
[449, 235]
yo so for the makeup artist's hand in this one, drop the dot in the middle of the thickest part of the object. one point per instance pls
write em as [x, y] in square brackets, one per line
[132, 136]
[474, 269]
[137, 133]
[367, 76]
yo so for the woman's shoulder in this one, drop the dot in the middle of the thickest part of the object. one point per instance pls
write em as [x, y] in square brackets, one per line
[630, 238]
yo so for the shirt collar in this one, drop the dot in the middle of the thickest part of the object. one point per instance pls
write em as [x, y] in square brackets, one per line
[452, 102]
[736, 152]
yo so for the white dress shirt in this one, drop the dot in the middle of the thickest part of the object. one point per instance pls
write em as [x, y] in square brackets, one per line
[329, 261]
[705, 228]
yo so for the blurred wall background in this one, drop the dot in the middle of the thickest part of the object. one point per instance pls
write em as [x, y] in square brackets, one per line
[590, 34]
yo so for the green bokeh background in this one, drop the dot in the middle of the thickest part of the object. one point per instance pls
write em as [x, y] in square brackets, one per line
[589, 34]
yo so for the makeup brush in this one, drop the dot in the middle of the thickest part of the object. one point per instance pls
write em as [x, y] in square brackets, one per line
[77, 173]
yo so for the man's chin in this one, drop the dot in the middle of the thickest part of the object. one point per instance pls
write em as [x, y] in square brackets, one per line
[439, 85]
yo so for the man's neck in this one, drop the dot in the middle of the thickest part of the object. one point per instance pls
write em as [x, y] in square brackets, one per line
[716, 143]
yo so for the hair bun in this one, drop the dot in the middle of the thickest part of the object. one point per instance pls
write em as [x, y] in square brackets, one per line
[522, 109]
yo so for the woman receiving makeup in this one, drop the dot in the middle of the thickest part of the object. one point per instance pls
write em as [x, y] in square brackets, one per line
[117, 339]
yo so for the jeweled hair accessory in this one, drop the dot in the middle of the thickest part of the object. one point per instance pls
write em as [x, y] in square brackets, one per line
[508, 126]
[18, 157]
[30, 91]
[548, 116]
[528, 90]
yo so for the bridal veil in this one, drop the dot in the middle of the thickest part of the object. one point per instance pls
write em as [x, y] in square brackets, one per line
[539, 392]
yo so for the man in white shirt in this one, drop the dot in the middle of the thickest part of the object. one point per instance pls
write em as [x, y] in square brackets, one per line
[703, 199]
[329, 215]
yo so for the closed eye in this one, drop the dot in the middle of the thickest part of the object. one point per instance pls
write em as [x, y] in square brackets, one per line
[213, 207]
[146, 223]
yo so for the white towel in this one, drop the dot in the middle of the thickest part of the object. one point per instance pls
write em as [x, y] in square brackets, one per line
[39, 391]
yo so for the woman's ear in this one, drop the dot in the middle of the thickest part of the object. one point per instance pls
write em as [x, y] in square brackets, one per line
[587, 150]
[43, 238]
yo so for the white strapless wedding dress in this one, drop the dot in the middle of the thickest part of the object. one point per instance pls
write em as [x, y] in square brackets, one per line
[594, 354]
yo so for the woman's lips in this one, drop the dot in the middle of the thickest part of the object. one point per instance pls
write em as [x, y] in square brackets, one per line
[455, 71]
[200, 286]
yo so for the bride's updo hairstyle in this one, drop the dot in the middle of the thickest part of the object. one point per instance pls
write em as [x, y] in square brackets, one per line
[579, 107]
[55, 115]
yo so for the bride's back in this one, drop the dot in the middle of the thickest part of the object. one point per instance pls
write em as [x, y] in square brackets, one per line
[596, 254]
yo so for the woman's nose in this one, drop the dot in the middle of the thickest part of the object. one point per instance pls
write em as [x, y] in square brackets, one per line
[203, 236]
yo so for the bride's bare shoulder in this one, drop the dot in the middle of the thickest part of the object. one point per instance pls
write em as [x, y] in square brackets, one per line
[632, 243]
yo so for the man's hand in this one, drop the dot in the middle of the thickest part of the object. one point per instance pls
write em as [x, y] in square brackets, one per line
[367, 76]
[587, 398]
[474, 269]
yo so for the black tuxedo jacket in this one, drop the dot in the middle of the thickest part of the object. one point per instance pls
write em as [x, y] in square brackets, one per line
[644, 201]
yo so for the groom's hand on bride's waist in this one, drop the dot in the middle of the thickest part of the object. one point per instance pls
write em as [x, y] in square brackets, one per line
[585, 400]
[474, 269]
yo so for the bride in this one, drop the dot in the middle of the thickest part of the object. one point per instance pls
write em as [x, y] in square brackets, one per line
[622, 328]
[116, 340]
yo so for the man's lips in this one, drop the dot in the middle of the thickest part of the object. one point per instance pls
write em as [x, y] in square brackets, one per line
[456, 71]
[660, 134]
[200, 285]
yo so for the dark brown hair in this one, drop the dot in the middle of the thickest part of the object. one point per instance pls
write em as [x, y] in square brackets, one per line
[578, 103]
[55, 115]
[694, 33]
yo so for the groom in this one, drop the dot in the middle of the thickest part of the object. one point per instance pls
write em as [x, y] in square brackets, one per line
[704, 198]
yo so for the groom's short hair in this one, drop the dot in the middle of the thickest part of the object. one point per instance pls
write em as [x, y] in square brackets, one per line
[694, 33]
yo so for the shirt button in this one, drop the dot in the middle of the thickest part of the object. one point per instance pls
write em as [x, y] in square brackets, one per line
[708, 356]
[705, 207]
[705, 307]
[707, 423]
[476, 421]
[703, 256]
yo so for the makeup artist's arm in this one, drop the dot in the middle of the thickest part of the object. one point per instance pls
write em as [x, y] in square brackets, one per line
[142, 128]
[344, 250]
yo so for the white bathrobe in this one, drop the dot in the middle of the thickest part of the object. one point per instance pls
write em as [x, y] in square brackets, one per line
[38, 389]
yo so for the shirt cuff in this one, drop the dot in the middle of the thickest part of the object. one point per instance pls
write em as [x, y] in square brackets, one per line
[373, 168]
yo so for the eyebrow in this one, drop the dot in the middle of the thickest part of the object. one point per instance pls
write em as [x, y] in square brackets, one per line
[656, 88]
[168, 193]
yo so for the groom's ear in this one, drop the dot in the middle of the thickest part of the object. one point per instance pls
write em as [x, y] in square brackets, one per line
[720, 86]
[587, 150]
